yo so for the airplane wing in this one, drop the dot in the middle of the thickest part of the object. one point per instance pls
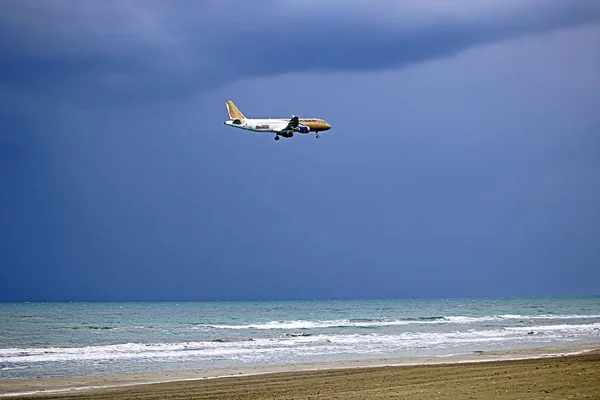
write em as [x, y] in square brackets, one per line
[293, 124]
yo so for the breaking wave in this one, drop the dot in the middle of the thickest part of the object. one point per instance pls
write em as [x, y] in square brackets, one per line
[288, 346]
[372, 323]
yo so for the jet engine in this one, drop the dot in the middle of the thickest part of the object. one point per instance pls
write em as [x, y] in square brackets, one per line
[303, 128]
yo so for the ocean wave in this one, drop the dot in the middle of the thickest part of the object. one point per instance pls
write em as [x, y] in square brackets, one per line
[94, 328]
[297, 334]
[305, 324]
[554, 328]
[12, 368]
[381, 322]
[292, 345]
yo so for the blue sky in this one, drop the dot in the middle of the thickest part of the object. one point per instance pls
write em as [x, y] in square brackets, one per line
[464, 158]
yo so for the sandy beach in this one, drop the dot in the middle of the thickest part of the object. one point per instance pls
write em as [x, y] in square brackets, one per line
[563, 373]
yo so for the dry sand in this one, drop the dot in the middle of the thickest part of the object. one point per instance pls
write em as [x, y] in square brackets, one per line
[464, 377]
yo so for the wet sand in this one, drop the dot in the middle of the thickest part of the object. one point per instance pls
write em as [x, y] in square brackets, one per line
[515, 376]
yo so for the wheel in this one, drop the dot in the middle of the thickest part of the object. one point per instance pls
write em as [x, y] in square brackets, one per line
[318, 136]
[276, 137]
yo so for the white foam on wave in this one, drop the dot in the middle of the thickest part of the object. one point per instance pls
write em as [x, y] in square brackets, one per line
[558, 328]
[305, 324]
[348, 323]
[286, 347]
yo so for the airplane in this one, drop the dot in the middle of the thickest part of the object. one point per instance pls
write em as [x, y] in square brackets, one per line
[281, 127]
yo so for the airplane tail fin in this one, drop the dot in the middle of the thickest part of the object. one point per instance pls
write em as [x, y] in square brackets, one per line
[234, 112]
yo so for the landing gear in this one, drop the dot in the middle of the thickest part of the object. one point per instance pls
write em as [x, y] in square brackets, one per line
[317, 135]
[276, 137]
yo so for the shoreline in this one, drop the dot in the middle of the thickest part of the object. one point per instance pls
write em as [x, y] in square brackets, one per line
[73, 385]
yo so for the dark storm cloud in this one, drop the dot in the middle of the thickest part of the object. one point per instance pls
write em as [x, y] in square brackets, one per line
[486, 184]
[153, 49]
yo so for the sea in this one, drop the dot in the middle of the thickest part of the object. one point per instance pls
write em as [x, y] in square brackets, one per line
[65, 339]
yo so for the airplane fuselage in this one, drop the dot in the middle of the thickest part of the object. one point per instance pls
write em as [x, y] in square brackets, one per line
[277, 125]
[259, 125]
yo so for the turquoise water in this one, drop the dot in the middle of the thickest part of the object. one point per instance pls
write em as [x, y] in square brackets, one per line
[58, 339]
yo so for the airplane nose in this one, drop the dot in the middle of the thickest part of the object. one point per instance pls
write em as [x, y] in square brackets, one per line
[327, 126]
